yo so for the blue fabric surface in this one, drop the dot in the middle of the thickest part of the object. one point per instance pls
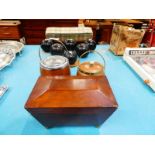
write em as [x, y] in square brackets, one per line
[135, 115]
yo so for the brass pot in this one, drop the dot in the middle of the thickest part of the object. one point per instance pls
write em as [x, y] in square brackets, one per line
[91, 68]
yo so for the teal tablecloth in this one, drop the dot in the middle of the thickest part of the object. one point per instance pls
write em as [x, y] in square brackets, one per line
[135, 115]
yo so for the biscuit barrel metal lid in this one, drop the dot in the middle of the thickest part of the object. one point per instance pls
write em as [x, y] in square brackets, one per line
[54, 62]
[91, 68]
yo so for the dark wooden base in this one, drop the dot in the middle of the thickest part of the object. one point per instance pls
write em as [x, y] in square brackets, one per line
[50, 120]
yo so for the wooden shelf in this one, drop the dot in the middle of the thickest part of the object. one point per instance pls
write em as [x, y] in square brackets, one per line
[34, 29]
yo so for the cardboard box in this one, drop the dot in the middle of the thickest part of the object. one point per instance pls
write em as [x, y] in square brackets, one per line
[125, 36]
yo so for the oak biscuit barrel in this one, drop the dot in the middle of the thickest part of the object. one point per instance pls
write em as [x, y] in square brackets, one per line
[54, 65]
[90, 68]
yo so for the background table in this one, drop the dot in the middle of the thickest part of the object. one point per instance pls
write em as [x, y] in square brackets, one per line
[135, 114]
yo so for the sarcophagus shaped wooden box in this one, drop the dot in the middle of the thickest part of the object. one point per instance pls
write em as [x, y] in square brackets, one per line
[125, 36]
[71, 100]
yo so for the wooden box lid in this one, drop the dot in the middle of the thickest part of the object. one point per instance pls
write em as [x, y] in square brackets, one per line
[71, 92]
